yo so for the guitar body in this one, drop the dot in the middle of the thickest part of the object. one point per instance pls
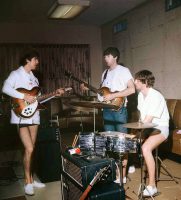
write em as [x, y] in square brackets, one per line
[119, 101]
[23, 108]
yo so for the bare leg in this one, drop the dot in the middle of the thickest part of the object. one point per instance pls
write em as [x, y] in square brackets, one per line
[149, 145]
[28, 138]
[33, 132]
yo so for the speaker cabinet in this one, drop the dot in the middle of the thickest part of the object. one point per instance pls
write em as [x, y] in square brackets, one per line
[48, 155]
[78, 172]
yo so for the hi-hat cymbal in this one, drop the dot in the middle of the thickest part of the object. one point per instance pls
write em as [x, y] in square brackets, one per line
[139, 125]
[93, 104]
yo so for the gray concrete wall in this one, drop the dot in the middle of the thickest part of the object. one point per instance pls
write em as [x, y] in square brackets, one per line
[152, 41]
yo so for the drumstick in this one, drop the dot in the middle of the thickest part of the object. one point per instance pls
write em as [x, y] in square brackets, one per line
[75, 140]
[73, 144]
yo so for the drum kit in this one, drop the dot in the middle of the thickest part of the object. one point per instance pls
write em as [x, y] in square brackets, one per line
[102, 143]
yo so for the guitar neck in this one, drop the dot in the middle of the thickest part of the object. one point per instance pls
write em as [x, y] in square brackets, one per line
[50, 95]
[93, 89]
[86, 192]
[46, 96]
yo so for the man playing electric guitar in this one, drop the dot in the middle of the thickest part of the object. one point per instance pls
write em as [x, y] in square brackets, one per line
[116, 78]
[23, 77]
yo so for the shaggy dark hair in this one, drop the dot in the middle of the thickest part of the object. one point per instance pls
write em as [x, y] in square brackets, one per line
[28, 55]
[112, 51]
[146, 77]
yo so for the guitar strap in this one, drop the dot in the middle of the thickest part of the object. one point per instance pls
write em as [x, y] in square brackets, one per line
[105, 75]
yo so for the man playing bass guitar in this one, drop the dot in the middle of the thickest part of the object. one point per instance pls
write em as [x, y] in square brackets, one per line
[120, 82]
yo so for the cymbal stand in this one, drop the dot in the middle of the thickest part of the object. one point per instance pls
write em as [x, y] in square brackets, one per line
[142, 184]
[94, 120]
[81, 122]
[120, 171]
[162, 165]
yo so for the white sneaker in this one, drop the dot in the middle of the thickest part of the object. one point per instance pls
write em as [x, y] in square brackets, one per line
[117, 181]
[38, 184]
[29, 189]
[131, 169]
[150, 191]
[124, 180]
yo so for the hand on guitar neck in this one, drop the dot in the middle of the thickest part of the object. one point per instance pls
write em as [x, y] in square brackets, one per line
[83, 87]
[60, 91]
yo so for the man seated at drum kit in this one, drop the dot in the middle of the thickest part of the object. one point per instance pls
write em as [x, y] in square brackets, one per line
[153, 109]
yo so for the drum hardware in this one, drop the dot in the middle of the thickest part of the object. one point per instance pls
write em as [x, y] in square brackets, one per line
[162, 165]
[140, 127]
[91, 104]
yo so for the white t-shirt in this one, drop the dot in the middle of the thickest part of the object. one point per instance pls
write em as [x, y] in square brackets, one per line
[21, 79]
[117, 78]
[154, 105]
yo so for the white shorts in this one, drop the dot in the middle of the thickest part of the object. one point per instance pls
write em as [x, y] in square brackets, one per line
[164, 130]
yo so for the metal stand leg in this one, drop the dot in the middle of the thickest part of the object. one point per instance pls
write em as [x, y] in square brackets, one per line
[81, 122]
[162, 165]
[120, 169]
[142, 184]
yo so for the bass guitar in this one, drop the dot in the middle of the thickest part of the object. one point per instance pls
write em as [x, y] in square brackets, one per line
[117, 102]
[24, 109]
[101, 175]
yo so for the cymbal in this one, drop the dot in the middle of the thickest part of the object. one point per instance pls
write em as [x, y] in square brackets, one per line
[92, 104]
[77, 108]
[139, 125]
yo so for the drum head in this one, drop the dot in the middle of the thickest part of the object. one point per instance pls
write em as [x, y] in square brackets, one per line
[112, 134]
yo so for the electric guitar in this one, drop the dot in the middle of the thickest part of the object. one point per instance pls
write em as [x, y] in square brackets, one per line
[101, 175]
[118, 101]
[24, 109]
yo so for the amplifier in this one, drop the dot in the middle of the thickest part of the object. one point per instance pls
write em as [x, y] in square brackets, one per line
[107, 191]
[84, 168]
[77, 172]
[48, 154]
[103, 191]
[46, 134]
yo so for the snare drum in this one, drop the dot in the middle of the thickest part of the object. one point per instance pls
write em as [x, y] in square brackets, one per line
[86, 142]
[118, 142]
